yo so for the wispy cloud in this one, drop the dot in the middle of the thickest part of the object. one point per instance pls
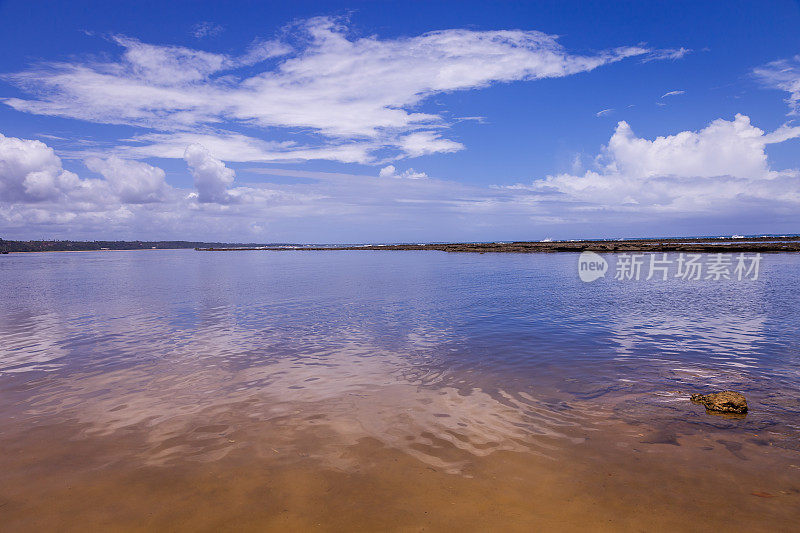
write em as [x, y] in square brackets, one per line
[391, 172]
[783, 74]
[350, 97]
[666, 54]
[673, 93]
[206, 29]
[604, 112]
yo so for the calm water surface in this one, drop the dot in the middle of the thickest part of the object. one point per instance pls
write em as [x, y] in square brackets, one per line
[276, 390]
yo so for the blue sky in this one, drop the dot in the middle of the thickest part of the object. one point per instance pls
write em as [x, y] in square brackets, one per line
[398, 121]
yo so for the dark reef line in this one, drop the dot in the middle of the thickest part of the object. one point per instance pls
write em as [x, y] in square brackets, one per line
[702, 245]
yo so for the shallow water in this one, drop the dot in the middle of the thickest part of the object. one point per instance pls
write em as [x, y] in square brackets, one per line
[391, 390]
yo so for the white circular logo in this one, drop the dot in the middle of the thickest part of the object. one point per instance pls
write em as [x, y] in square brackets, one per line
[591, 266]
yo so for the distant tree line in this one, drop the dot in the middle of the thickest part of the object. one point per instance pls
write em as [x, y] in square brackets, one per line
[63, 246]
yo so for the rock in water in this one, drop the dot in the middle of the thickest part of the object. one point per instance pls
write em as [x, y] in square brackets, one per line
[723, 402]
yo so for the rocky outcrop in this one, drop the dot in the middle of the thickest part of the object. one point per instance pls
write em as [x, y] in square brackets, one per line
[722, 402]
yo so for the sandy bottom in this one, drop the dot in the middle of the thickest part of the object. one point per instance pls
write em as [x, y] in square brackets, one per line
[392, 460]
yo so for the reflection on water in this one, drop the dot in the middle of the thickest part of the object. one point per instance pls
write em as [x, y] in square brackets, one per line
[449, 360]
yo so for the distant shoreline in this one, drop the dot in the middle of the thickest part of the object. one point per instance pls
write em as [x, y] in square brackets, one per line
[765, 244]
[8, 246]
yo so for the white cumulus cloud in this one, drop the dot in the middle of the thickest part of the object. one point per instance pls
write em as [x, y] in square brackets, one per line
[211, 177]
[722, 166]
[30, 171]
[718, 177]
[133, 182]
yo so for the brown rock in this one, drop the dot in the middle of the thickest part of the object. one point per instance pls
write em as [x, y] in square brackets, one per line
[723, 402]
